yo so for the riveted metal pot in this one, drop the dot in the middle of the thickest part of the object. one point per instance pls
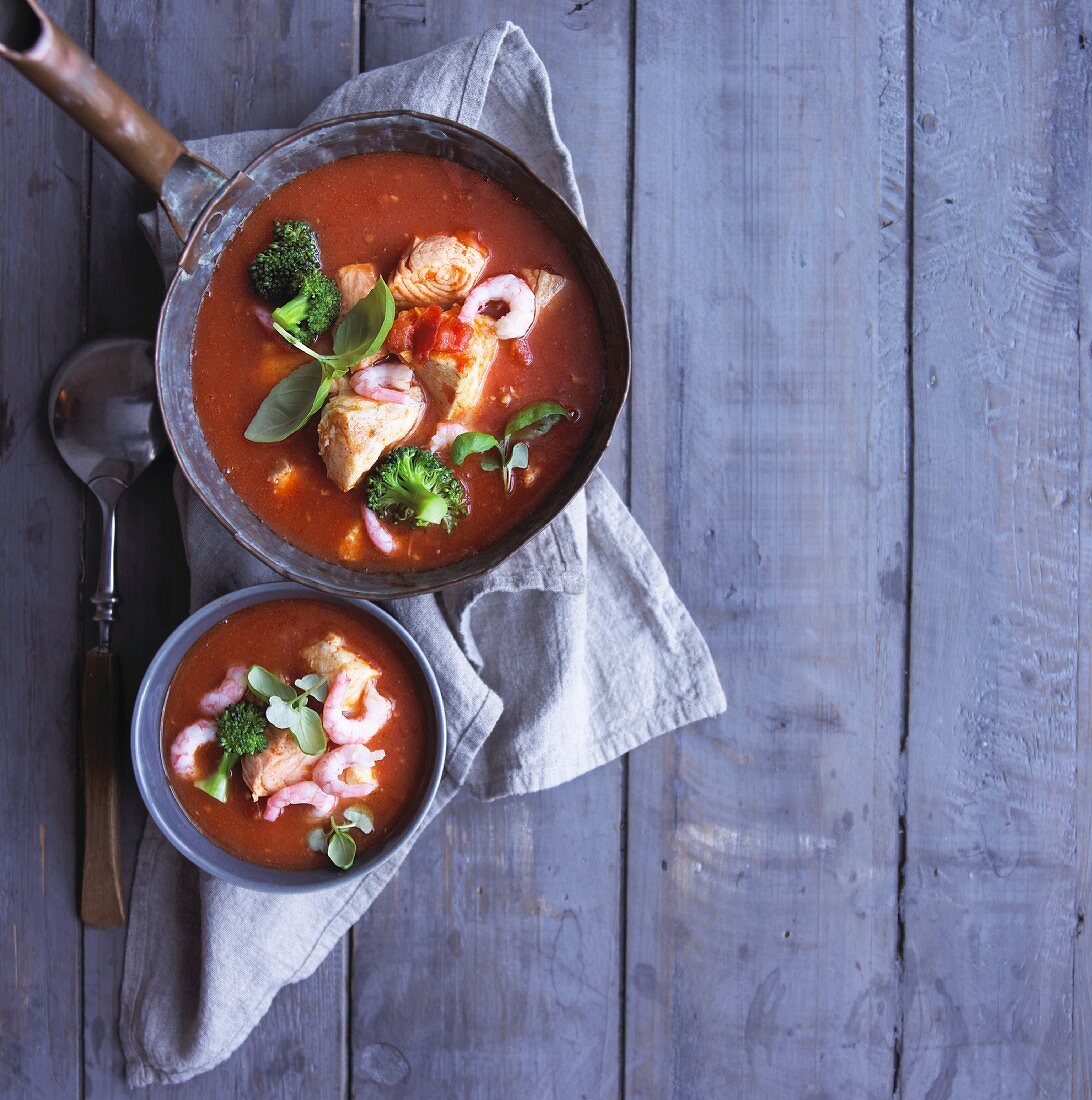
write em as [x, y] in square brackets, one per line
[206, 208]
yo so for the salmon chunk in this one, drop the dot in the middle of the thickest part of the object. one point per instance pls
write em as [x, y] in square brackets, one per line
[284, 762]
[545, 283]
[356, 282]
[354, 431]
[451, 357]
[438, 270]
[332, 655]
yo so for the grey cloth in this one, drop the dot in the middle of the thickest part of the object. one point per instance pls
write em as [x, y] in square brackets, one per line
[607, 656]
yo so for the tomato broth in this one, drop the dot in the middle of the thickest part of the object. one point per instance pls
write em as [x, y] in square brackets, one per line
[272, 635]
[368, 208]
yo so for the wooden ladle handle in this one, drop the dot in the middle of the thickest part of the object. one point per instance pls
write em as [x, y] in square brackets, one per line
[48, 58]
[101, 902]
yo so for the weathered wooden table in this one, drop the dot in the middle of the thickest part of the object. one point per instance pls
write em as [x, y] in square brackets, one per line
[853, 240]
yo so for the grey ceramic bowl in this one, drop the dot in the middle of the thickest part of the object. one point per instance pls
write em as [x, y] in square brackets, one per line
[155, 787]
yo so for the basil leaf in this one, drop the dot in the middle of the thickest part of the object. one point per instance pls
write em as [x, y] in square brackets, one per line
[364, 328]
[316, 840]
[341, 849]
[308, 732]
[472, 443]
[280, 714]
[491, 462]
[298, 344]
[262, 682]
[314, 685]
[360, 817]
[536, 420]
[289, 404]
[517, 460]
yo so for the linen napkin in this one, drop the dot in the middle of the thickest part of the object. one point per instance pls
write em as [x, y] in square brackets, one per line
[608, 656]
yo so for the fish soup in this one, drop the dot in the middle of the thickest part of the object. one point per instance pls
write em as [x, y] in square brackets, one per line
[396, 362]
[298, 732]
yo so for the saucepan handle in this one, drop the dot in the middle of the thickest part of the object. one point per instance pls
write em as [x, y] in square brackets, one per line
[47, 57]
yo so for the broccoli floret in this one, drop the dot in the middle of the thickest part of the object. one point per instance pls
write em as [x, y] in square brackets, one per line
[313, 310]
[241, 729]
[413, 486]
[276, 273]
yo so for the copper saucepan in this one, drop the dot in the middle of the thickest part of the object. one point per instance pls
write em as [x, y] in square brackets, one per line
[206, 208]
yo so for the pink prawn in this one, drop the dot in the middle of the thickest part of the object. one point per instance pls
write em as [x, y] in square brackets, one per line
[328, 771]
[230, 690]
[447, 431]
[184, 747]
[381, 538]
[514, 293]
[389, 382]
[343, 730]
[305, 793]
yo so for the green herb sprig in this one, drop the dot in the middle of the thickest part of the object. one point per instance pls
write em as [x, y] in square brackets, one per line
[295, 399]
[512, 453]
[287, 708]
[335, 840]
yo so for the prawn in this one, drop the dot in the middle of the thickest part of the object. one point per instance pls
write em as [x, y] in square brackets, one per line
[304, 793]
[381, 538]
[388, 382]
[184, 747]
[230, 690]
[447, 431]
[343, 730]
[328, 771]
[514, 293]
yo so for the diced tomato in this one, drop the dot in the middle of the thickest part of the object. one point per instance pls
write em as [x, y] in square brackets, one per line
[522, 351]
[425, 332]
[454, 335]
[400, 337]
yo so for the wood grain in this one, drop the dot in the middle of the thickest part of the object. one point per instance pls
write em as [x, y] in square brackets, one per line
[43, 192]
[494, 956]
[769, 414]
[202, 69]
[994, 795]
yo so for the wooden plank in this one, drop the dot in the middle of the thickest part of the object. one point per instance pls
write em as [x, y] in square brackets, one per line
[202, 71]
[997, 795]
[43, 190]
[494, 954]
[768, 442]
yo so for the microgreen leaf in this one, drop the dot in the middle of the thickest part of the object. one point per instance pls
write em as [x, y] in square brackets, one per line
[280, 714]
[308, 732]
[264, 683]
[364, 328]
[517, 460]
[316, 839]
[491, 462]
[360, 817]
[314, 685]
[472, 443]
[289, 404]
[535, 420]
[341, 849]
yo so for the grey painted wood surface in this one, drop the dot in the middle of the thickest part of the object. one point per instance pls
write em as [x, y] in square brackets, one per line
[851, 237]
[43, 166]
[997, 791]
[763, 847]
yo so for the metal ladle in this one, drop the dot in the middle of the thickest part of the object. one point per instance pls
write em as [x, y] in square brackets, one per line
[105, 421]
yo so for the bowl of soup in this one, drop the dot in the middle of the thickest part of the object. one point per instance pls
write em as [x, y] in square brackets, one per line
[391, 356]
[283, 740]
